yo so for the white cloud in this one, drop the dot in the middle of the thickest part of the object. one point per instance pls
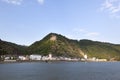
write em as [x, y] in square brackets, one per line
[79, 30]
[112, 7]
[41, 2]
[19, 2]
[15, 2]
[93, 34]
[86, 33]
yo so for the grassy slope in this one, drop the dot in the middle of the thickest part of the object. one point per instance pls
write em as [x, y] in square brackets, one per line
[100, 49]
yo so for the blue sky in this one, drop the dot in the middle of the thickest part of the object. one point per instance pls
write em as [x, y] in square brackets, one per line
[26, 21]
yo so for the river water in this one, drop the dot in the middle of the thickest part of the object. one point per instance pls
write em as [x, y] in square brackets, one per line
[60, 71]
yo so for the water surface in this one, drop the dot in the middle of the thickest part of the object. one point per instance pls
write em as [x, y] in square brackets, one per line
[60, 71]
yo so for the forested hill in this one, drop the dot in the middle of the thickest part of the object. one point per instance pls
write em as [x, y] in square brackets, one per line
[59, 45]
[100, 49]
[11, 48]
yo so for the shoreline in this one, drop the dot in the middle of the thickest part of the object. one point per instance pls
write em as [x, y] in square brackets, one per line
[50, 61]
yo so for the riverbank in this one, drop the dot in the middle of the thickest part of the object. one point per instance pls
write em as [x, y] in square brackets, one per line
[46, 61]
[50, 61]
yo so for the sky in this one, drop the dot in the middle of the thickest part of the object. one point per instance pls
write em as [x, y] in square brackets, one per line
[26, 21]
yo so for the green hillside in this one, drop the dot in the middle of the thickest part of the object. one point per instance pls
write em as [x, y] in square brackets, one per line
[61, 46]
[100, 49]
[8, 48]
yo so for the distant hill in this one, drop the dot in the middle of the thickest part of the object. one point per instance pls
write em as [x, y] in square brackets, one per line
[100, 49]
[8, 48]
[59, 45]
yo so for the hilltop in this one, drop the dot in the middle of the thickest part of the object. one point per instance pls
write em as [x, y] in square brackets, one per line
[57, 45]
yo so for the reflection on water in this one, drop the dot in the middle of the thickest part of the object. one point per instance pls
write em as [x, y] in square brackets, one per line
[60, 71]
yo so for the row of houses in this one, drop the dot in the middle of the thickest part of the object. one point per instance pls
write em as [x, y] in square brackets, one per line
[48, 57]
[35, 58]
[93, 59]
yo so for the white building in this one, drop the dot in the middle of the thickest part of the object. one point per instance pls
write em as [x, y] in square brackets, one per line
[7, 58]
[100, 60]
[50, 56]
[45, 58]
[85, 56]
[22, 57]
[35, 57]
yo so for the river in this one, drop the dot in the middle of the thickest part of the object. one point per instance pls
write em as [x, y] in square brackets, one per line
[60, 71]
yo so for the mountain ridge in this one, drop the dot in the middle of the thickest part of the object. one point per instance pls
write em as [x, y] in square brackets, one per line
[59, 45]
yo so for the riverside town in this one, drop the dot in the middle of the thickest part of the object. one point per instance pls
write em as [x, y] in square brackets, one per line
[35, 57]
